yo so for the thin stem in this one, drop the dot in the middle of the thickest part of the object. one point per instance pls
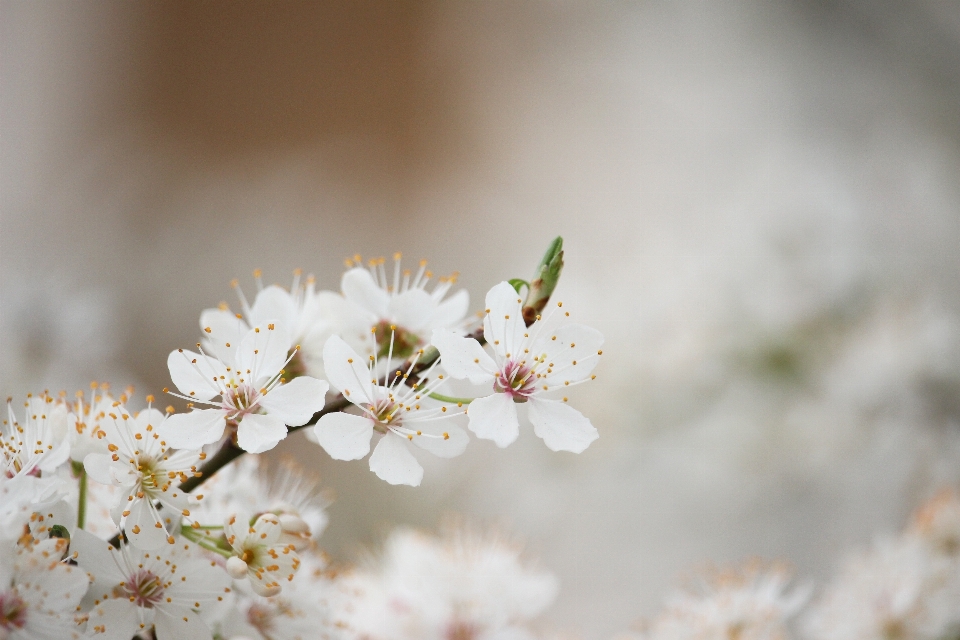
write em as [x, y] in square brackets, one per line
[82, 502]
[450, 399]
[203, 541]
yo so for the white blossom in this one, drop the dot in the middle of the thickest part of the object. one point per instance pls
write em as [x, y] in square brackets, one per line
[463, 586]
[527, 364]
[148, 474]
[259, 553]
[39, 443]
[398, 307]
[309, 315]
[39, 594]
[134, 589]
[254, 397]
[403, 414]
[251, 485]
[749, 604]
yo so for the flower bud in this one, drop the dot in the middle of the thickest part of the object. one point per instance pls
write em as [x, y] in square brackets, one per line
[237, 568]
[294, 524]
[544, 282]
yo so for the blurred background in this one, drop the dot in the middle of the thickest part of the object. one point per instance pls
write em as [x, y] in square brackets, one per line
[759, 202]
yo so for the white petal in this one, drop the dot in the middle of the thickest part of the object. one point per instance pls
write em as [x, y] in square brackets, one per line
[503, 326]
[99, 467]
[225, 329]
[115, 619]
[193, 430]
[140, 527]
[344, 436]
[96, 556]
[149, 420]
[257, 433]
[452, 310]
[175, 622]
[193, 374]
[358, 287]
[346, 371]
[296, 401]
[267, 529]
[276, 303]
[411, 310]
[494, 418]
[569, 344]
[562, 427]
[262, 352]
[449, 447]
[393, 462]
[463, 357]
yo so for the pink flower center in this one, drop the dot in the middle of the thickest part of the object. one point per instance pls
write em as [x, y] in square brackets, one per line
[144, 588]
[241, 400]
[13, 611]
[387, 413]
[517, 379]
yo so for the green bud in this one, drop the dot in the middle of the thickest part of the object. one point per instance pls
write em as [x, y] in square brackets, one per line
[544, 282]
[59, 531]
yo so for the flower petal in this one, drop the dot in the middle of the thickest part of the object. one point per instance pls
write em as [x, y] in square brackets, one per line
[453, 445]
[257, 432]
[226, 330]
[495, 418]
[411, 309]
[463, 357]
[503, 326]
[176, 622]
[99, 467]
[115, 619]
[296, 401]
[193, 430]
[393, 462]
[140, 527]
[194, 374]
[344, 436]
[573, 351]
[275, 303]
[452, 310]
[262, 353]
[562, 427]
[358, 287]
[346, 371]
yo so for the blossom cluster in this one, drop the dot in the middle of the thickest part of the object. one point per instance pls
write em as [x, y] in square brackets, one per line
[105, 532]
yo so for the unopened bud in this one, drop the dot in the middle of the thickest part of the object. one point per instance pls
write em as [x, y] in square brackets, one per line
[292, 523]
[236, 567]
[544, 281]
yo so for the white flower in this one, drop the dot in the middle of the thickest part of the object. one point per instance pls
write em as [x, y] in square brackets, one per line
[401, 413]
[751, 604]
[85, 418]
[306, 313]
[251, 485]
[899, 589]
[39, 594]
[147, 472]
[133, 590]
[21, 497]
[253, 396]
[306, 610]
[527, 364]
[260, 555]
[399, 308]
[460, 586]
[39, 443]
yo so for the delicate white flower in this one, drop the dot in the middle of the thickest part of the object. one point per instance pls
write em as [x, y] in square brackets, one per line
[306, 610]
[898, 590]
[39, 443]
[403, 414]
[260, 555]
[253, 396]
[147, 472]
[21, 497]
[133, 590]
[527, 363]
[85, 418]
[399, 308]
[39, 594]
[751, 604]
[461, 586]
[306, 313]
[251, 485]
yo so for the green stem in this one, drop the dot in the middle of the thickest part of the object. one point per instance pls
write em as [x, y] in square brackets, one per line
[450, 399]
[82, 502]
[203, 541]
